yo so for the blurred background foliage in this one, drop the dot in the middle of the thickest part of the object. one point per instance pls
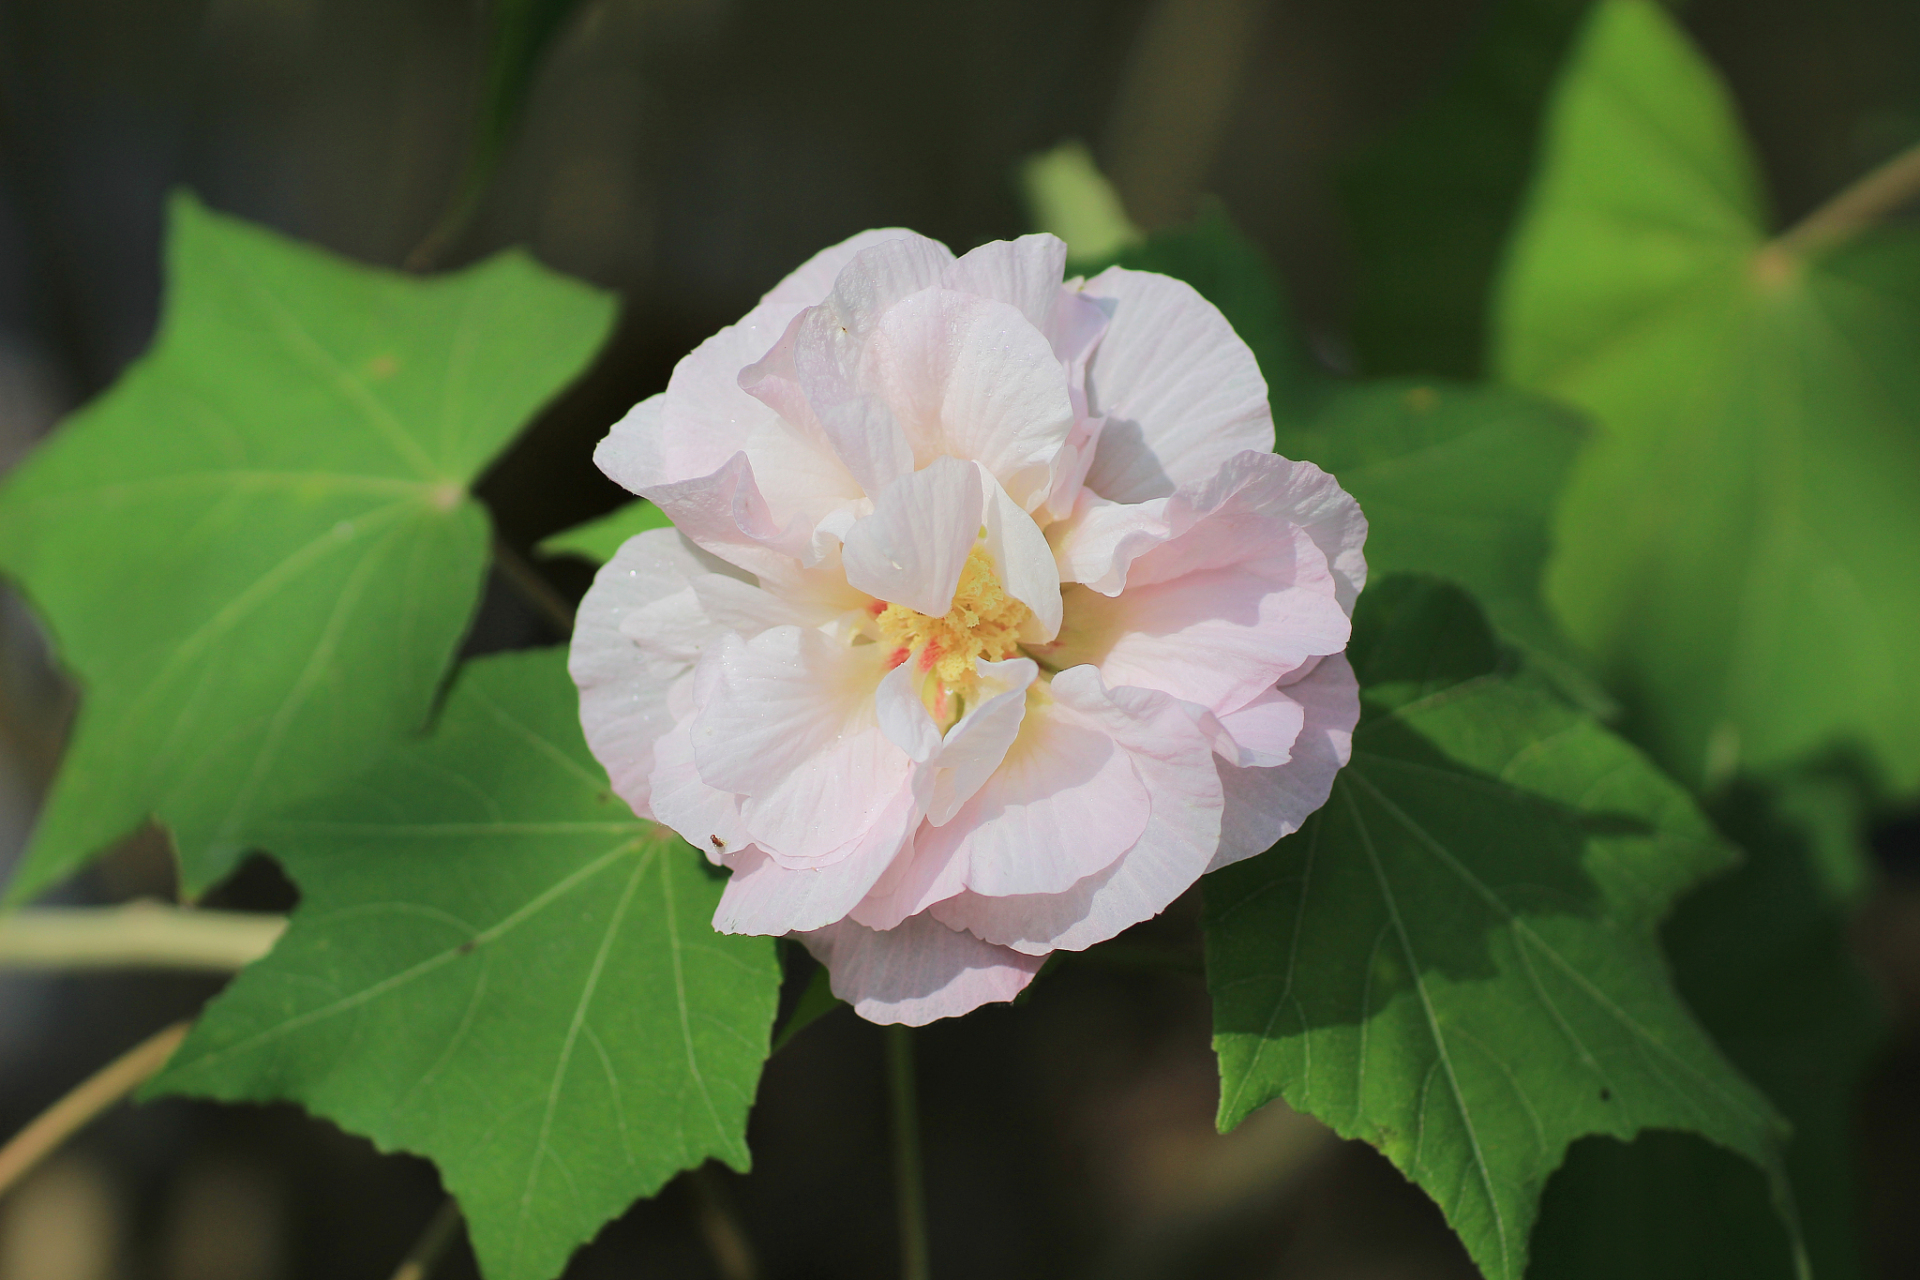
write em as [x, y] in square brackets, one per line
[686, 153]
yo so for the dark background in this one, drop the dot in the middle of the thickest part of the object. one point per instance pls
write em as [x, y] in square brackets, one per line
[687, 153]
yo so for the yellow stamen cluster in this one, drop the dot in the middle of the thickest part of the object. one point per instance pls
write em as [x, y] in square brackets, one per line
[984, 622]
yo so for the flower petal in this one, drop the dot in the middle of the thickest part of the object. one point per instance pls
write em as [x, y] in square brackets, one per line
[918, 971]
[623, 685]
[1176, 764]
[1064, 803]
[1264, 805]
[1218, 636]
[968, 376]
[725, 513]
[1180, 391]
[911, 550]
[789, 726]
[974, 747]
[1025, 274]
[809, 283]
[704, 816]
[1024, 561]
[763, 897]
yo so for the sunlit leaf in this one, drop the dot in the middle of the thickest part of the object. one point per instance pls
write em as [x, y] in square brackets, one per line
[496, 965]
[1456, 958]
[1738, 546]
[257, 550]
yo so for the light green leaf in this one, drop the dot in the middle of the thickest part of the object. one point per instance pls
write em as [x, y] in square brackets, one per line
[597, 540]
[1069, 197]
[257, 550]
[1455, 959]
[497, 966]
[1738, 545]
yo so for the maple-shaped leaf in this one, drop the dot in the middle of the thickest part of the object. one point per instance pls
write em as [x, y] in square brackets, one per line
[257, 551]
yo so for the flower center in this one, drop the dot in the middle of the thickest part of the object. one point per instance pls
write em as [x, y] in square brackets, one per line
[984, 622]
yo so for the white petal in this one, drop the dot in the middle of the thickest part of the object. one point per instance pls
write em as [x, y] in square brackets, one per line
[1064, 803]
[911, 550]
[623, 688]
[917, 972]
[974, 747]
[1024, 561]
[706, 818]
[1263, 805]
[1176, 764]
[810, 282]
[790, 727]
[1179, 389]
[970, 377]
[763, 897]
[1025, 274]
[1217, 636]
[903, 717]
[725, 513]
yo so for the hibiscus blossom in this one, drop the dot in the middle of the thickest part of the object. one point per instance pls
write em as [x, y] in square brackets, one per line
[989, 620]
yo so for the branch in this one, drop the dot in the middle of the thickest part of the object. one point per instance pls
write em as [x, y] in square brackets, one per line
[1856, 208]
[139, 935]
[101, 1090]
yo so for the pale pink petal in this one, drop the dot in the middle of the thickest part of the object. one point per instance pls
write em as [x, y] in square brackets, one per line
[725, 513]
[764, 897]
[1220, 636]
[903, 717]
[810, 282]
[706, 818]
[796, 594]
[918, 972]
[633, 453]
[1176, 764]
[1100, 540]
[623, 687]
[1025, 274]
[911, 550]
[1262, 805]
[790, 727]
[1064, 803]
[974, 747]
[1264, 731]
[1071, 464]
[970, 377]
[1179, 389]
[1024, 561]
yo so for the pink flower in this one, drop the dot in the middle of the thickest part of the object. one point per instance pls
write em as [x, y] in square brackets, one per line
[989, 621]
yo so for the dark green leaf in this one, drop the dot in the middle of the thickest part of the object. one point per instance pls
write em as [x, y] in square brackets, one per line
[1433, 204]
[597, 540]
[257, 550]
[1455, 959]
[1738, 545]
[496, 965]
[1762, 956]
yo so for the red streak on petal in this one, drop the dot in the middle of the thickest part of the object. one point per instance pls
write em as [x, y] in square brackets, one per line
[929, 656]
[940, 702]
[876, 607]
[895, 658]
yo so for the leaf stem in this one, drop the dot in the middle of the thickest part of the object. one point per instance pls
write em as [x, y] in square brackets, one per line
[136, 935]
[94, 1095]
[537, 590]
[908, 1174]
[1857, 207]
[726, 1236]
[426, 1251]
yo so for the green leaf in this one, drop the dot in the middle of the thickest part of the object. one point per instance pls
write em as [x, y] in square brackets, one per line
[1762, 956]
[1455, 959]
[1737, 547]
[257, 551]
[1069, 197]
[1459, 481]
[497, 966]
[597, 540]
[1432, 205]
